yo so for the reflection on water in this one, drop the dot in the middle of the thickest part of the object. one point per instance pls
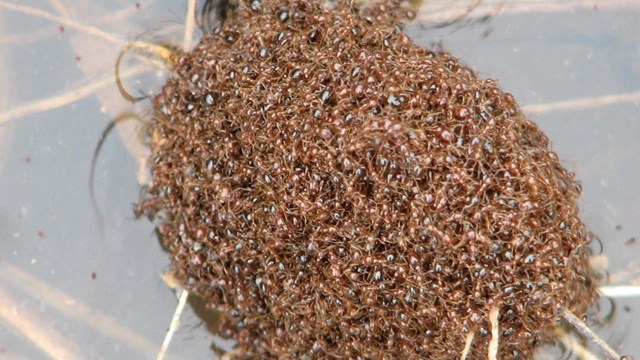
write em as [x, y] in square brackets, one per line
[60, 95]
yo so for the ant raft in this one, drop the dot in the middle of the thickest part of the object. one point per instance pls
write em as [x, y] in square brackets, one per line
[340, 192]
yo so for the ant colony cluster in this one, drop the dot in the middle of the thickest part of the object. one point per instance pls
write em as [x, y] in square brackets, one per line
[338, 191]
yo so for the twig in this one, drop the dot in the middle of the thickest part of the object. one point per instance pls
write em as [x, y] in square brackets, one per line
[467, 345]
[495, 333]
[584, 330]
[175, 322]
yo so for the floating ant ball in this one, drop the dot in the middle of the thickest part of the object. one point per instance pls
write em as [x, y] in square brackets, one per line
[339, 191]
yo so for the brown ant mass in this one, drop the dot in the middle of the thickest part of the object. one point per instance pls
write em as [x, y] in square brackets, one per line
[341, 192]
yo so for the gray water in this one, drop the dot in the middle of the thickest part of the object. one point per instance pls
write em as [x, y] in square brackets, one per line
[79, 284]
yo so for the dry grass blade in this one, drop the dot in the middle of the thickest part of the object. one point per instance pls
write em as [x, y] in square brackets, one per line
[189, 25]
[67, 97]
[443, 11]
[586, 331]
[124, 13]
[36, 328]
[584, 103]
[45, 32]
[26, 38]
[6, 93]
[67, 22]
[569, 341]
[165, 56]
[175, 322]
[60, 8]
[622, 291]
[495, 333]
[467, 345]
[60, 301]
[236, 353]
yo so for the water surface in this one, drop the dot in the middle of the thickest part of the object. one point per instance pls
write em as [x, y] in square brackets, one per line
[90, 282]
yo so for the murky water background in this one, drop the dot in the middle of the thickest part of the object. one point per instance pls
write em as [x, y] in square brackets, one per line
[74, 286]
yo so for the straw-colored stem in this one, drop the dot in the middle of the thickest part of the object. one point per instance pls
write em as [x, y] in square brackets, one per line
[65, 98]
[36, 328]
[61, 20]
[586, 331]
[189, 25]
[175, 322]
[495, 333]
[570, 342]
[72, 308]
[620, 291]
[583, 103]
[467, 345]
